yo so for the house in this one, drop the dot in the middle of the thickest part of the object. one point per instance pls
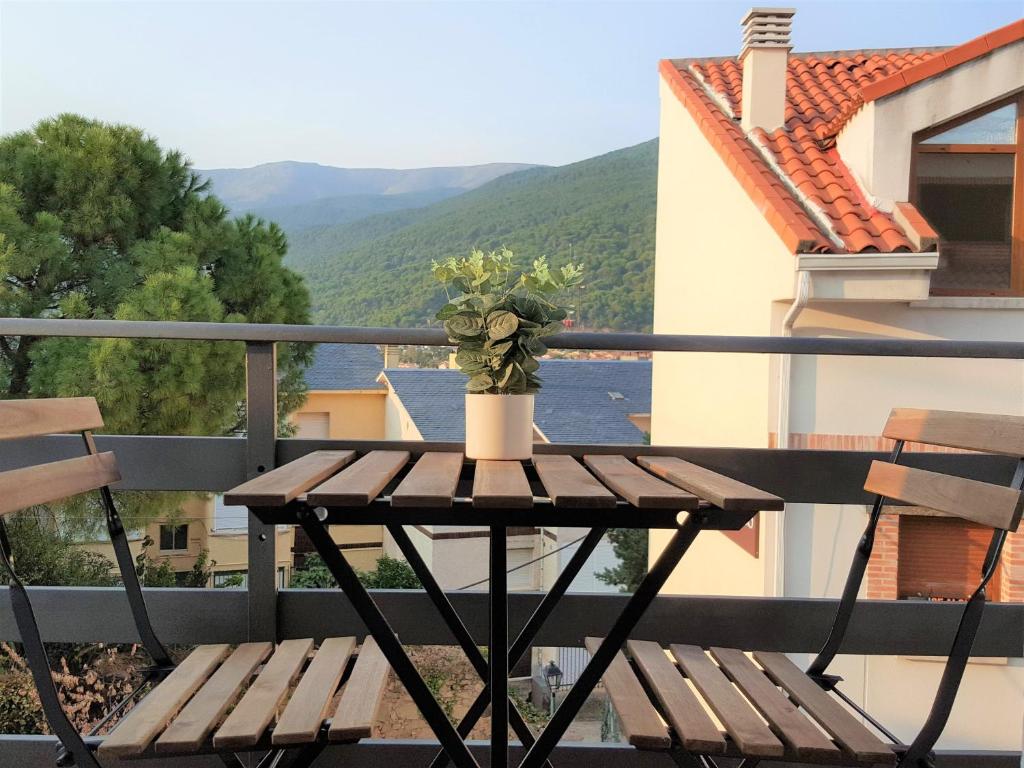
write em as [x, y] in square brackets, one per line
[582, 401]
[344, 402]
[860, 194]
[202, 525]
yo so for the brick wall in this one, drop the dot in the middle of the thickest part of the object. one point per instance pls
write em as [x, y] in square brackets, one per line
[882, 571]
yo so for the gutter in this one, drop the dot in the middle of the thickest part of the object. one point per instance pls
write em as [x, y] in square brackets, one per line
[803, 295]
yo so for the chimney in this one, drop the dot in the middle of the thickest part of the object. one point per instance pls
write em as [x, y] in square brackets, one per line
[392, 355]
[766, 48]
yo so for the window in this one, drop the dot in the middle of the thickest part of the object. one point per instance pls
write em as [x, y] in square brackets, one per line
[940, 558]
[231, 579]
[173, 537]
[969, 184]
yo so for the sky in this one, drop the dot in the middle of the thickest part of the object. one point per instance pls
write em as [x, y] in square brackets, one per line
[398, 84]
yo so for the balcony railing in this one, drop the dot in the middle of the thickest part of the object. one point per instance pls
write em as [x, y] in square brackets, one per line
[190, 616]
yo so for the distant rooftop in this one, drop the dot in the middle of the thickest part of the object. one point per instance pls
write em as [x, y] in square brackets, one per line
[582, 401]
[345, 367]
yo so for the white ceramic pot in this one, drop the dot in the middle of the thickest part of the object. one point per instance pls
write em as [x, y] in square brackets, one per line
[499, 427]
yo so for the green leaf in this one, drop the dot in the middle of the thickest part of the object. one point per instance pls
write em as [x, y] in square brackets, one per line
[529, 365]
[496, 347]
[464, 325]
[501, 324]
[480, 383]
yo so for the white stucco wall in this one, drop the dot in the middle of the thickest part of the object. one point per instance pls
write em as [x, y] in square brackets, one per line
[718, 267]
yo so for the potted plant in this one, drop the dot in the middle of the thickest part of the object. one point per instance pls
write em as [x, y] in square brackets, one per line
[497, 323]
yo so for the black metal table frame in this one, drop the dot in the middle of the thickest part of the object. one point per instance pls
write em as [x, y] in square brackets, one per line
[494, 669]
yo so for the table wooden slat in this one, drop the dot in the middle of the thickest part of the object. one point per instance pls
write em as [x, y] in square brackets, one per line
[131, 737]
[693, 725]
[203, 713]
[640, 489]
[833, 716]
[720, 490]
[359, 484]
[570, 485]
[430, 483]
[308, 705]
[749, 732]
[788, 722]
[639, 719]
[361, 696]
[248, 721]
[279, 486]
[501, 485]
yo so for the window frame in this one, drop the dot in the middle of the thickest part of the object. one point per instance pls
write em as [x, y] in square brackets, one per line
[174, 528]
[1017, 150]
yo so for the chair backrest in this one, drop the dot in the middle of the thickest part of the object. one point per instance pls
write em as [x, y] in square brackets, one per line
[996, 506]
[44, 483]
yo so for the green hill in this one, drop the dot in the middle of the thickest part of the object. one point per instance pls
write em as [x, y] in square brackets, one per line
[375, 271]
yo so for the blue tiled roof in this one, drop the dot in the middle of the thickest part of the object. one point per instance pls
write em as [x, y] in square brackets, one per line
[345, 366]
[579, 402]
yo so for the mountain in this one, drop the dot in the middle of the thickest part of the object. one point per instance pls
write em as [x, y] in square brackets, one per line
[290, 183]
[375, 271]
[331, 211]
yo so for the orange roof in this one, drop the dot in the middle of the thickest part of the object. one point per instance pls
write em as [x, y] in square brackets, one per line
[794, 173]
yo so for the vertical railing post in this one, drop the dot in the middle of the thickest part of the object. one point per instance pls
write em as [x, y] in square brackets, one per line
[261, 437]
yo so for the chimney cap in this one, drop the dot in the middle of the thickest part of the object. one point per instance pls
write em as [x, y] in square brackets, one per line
[784, 15]
[767, 28]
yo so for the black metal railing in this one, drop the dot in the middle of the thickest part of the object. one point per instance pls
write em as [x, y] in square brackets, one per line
[78, 615]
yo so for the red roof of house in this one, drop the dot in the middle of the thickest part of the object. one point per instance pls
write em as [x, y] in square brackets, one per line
[794, 174]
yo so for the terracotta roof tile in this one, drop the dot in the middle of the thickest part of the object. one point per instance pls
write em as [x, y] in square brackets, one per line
[819, 205]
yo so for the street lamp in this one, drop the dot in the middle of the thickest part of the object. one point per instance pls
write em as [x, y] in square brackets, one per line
[553, 676]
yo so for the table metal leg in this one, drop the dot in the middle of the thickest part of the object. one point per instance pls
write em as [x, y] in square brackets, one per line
[526, 635]
[462, 635]
[497, 648]
[386, 640]
[613, 642]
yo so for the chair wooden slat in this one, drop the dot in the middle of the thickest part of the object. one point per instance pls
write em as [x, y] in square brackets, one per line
[694, 728]
[308, 705]
[501, 485]
[751, 735]
[361, 697]
[248, 721]
[987, 432]
[31, 418]
[203, 713]
[430, 483]
[785, 719]
[720, 490]
[569, 485]
[43, 483]
[846, 729]
[985, 503]
[639, 488]
[639, 719]
[135, 733]
[359, 484]
[279, 486]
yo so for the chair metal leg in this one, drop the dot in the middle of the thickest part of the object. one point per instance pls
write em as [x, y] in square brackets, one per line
[72, 748]
[386, 640]
[645, 594]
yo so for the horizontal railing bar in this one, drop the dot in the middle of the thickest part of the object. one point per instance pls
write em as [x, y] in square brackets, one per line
[215, 464]
[638, 342]
[192, 616]
[38, 751]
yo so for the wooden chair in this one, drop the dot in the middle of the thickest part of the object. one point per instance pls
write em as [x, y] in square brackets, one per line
[180, 709]
[771, 709]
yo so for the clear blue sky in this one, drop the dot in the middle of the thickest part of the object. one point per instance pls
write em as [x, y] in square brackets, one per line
[402, 84]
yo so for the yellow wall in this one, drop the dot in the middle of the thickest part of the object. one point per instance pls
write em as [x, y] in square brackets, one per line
[718, 267]
[354, 415]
